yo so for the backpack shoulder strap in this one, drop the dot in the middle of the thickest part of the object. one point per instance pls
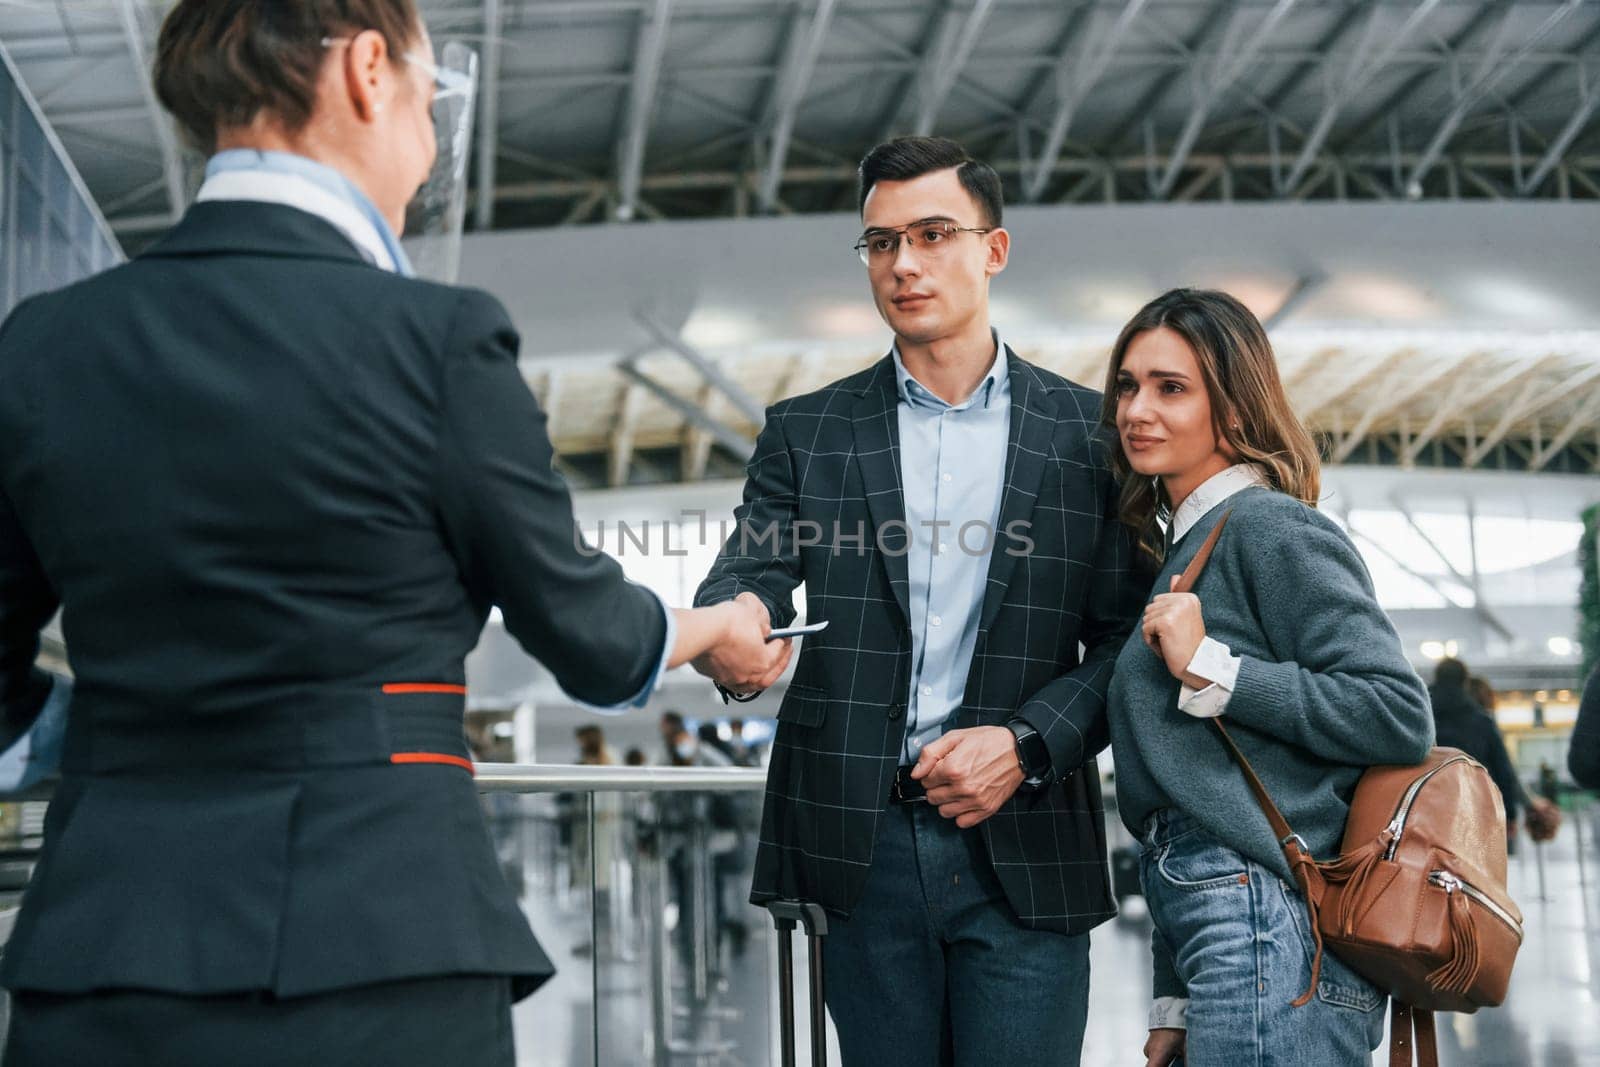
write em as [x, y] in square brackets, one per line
[1301, 862]
[1191, 573]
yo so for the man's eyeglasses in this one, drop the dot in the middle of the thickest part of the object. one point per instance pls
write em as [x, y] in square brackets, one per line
[933, 236]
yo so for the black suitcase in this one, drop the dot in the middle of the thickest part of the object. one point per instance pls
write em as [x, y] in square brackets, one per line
[785, 915]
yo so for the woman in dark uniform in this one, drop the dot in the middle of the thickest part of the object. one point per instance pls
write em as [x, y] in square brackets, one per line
[276, 486]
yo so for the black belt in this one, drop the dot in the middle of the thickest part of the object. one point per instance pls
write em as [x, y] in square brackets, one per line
[397, 723]
[906, 789]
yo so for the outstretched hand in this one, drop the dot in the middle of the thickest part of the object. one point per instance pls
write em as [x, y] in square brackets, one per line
[743, 660]
[970, 773]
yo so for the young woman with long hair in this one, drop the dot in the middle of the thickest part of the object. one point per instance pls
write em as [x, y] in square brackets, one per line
[1284, 637]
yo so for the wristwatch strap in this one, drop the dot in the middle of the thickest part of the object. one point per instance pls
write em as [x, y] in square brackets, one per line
[1032, 755]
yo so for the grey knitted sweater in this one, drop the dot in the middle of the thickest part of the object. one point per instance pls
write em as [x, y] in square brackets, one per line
[1324, 690]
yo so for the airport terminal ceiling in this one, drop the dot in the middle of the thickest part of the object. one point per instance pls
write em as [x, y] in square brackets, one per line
[709, 108]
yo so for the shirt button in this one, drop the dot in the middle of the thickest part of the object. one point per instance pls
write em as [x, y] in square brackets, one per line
[944, 477]
[934, 620]
[943, 548]
[927, 690]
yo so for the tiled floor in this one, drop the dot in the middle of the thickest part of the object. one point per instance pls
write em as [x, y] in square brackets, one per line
[1551, 1018]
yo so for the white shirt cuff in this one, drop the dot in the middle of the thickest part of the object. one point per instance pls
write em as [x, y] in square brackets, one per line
[1214, 662]
[1169, 1013]
[1207, 703]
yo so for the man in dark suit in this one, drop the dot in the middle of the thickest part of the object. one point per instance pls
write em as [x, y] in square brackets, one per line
[951, 511]
[276, 487]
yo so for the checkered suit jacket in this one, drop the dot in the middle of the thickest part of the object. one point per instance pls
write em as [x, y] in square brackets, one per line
[832, 458]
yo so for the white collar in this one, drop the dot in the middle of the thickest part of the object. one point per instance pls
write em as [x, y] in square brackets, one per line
[1213, 491]
[294, 191]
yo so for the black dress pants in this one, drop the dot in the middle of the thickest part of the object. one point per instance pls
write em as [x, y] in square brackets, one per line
[456, 1021]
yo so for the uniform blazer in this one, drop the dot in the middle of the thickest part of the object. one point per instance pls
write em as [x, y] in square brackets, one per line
[276, 492]
[832, 458]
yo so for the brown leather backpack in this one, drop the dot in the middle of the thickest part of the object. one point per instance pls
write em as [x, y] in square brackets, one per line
[1416, 902]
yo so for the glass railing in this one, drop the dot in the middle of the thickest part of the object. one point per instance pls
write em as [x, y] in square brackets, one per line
[636, 881]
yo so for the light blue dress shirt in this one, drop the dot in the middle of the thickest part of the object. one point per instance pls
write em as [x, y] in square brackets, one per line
[952, 464]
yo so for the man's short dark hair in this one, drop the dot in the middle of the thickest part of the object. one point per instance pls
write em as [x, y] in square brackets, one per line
[673, 721]
[1450, 673]
[905, 158]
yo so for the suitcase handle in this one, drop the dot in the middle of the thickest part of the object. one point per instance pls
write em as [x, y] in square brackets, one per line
[786, 915]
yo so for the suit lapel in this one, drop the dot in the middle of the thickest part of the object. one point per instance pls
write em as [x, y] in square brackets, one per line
[877, 434]
[1033, 424]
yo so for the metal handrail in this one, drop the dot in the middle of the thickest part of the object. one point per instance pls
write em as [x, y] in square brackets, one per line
[571, 778]
[559, 778]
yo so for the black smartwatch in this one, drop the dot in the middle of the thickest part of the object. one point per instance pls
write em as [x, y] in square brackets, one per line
[1032, 755]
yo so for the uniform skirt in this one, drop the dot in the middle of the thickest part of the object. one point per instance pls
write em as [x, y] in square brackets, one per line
[426, 1022]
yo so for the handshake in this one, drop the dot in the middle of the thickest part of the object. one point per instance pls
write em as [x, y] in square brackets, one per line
[728, 643]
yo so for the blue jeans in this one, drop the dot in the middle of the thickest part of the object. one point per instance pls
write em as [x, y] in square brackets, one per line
[932, 968]
[1241, 941]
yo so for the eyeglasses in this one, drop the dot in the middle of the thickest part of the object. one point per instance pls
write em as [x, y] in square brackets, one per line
[446, 80]
[878, 248]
